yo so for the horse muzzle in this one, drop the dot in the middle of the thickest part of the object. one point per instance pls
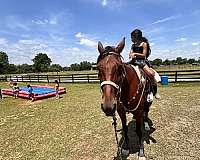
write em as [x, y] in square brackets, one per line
[109, 109]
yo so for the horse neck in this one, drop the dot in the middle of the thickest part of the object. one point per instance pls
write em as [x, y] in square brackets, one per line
[131, 80]
[131, 75]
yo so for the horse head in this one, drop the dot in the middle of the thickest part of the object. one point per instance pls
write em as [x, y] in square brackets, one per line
[111, 72]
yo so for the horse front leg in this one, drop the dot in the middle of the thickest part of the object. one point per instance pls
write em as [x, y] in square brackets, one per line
[139, 132]
[146, 111]
[122, 115]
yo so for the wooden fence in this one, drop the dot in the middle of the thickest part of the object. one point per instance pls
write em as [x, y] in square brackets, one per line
[173, 76]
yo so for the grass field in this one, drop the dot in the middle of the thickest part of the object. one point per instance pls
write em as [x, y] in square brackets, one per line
[74, 127]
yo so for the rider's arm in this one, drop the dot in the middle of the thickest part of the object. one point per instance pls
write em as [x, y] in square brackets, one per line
[142, 55]
[131, 54]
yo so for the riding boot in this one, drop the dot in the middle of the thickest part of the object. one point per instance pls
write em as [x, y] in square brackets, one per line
[155, 90]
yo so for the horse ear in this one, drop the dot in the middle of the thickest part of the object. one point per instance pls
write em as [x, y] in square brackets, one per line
[120, 46]
[100, 47]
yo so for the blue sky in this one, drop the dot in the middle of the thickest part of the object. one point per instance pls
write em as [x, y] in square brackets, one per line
[68, 30]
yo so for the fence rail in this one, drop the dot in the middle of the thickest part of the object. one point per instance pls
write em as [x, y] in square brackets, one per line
[173, 76]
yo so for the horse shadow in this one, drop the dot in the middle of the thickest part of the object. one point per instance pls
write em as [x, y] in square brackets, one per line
[134, 140]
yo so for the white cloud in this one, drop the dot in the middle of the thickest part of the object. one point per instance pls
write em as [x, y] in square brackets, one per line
[3, 41]
[45, 21]
[87, 42]
[174, 52]
[13, 22]
[52, 22]
[166, 19]
[181, 39]
[195, 43]
[75, 49]
[84, 40]
[56, 38]
[104, 2]
[79, 35]
[24, 50]
[25, 41]
[152, 44]
[38, 22]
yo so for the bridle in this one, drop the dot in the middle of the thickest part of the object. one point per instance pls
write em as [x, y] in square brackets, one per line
[118, 95]
[118, 86]
[111, 83]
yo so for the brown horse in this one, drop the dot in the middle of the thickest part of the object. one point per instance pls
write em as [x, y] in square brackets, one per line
[122, 90]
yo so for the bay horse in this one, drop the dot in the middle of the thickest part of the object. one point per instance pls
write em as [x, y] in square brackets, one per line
[122, 90]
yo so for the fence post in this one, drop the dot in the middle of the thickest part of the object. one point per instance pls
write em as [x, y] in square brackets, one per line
[47, 78]
[176, 76]
[59, 78]
[29, 78]
[38, 78]
[72, 78]
[22, 78]
[88, 78]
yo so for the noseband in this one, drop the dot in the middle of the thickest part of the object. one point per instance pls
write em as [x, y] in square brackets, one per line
[110, 83]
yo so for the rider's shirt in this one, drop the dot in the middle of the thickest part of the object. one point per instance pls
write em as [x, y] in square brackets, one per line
[138, 49]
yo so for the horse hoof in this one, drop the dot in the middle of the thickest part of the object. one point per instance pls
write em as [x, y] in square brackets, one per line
[125, 152]
[146, 126]
[141, 158]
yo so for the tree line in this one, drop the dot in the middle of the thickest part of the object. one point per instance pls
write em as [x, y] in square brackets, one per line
[42, 63]
[177, 61]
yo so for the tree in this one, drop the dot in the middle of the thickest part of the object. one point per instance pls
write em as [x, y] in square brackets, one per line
[55, 68]
[191, 60]
[166, 62]
[157, 62]
[11, 68]
[24, 68]
[3, 62]
[85, 65]
[41, 62]
[75, 67]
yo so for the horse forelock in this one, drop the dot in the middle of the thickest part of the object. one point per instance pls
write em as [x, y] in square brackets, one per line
[108, 50]
[109, 60]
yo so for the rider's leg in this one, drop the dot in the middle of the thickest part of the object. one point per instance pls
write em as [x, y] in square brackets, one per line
[151, 75]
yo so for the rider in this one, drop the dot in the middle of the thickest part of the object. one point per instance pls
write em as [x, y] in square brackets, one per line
[139, 53]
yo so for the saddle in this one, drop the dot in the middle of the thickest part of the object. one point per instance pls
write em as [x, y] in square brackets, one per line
[143, 77]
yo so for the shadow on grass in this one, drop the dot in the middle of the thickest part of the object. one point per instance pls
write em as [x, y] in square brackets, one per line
[133, 139]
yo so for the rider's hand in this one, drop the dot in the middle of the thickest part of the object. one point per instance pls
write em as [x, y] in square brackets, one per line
[131, 55]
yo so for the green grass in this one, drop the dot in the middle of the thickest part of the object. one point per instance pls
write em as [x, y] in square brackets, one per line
[74, 127]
